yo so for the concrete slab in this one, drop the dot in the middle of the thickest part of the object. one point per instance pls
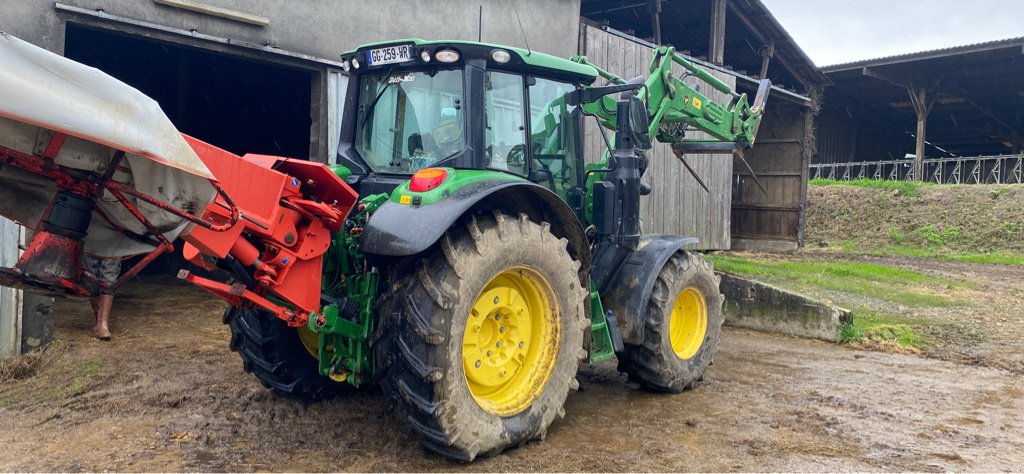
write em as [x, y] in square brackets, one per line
[754, 305]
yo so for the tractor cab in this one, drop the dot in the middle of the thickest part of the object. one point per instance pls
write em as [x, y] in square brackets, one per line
[415, 104]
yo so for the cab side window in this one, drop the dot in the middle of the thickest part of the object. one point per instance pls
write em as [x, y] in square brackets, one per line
[504, 103]
[554, 132]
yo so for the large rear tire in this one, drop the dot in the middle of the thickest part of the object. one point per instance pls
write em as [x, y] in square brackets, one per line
[278, 356]
[488, 337]
[682, 324]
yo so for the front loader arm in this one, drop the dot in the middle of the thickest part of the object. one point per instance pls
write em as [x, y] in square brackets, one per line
[674, 105]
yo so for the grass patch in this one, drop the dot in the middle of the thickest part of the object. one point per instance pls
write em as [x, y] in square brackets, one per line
[908, 188]
[928, 252]
[882, 282]
[871, 326]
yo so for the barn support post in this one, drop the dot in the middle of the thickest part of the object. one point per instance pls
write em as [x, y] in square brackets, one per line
[716, 49]
[654, 8]
[923, 99]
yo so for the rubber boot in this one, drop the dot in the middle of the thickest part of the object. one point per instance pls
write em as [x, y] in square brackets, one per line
[102, 304]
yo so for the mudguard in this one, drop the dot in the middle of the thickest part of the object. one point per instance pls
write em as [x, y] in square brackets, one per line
[402, 229]
[631, 285]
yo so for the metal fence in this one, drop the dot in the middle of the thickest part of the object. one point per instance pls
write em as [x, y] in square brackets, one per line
[995, 169]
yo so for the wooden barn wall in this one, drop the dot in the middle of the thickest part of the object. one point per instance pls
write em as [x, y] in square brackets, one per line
[781, 159]
[677, 205]
[836, 137]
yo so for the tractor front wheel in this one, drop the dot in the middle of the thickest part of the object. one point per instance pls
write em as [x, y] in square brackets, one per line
[681, 329]
[282, 357]
[488, 337]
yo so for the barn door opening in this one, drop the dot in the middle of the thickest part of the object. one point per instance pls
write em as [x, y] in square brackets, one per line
[238, 104]
[235, 103]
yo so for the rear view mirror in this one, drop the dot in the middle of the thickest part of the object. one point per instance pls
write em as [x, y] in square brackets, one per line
[640, 122]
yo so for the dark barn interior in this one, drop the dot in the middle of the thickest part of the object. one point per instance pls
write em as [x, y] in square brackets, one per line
[974, 96]
[243, 106]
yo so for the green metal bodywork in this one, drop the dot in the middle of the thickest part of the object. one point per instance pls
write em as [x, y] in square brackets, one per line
[455, 180]
[601, 346]
[672, 105]
[344, 352]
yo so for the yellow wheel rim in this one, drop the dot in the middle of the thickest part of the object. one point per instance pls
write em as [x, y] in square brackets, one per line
[511, 341]
[688, 323]
[310, 341]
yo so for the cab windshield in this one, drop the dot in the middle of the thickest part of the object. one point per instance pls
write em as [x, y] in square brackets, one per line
[409, 120]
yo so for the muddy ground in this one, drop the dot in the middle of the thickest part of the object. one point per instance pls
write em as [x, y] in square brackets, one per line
[167, 395]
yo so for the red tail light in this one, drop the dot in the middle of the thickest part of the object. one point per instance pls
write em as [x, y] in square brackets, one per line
[427, 179]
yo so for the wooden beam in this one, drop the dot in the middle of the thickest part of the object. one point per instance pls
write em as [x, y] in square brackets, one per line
[738, 13]
[654, 9]
[716, 48]
[894, 79]
[767, 52]
[216, 11]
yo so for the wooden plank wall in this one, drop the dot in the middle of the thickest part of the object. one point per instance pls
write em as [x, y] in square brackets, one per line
[677, 205]
[780, 158]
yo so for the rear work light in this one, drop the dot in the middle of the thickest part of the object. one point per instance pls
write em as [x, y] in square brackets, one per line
[427, 179]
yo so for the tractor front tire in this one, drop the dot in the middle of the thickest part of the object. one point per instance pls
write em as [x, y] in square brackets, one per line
[276, 354]
[487, 337]
[682, 324]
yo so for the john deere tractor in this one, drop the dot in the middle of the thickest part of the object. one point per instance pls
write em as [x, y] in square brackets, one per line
[459, 253]
[484, 261]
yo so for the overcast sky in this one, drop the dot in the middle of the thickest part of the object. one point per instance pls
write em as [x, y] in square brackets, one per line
[839, 31]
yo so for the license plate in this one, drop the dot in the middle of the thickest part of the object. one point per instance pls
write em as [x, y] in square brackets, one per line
[389, 55]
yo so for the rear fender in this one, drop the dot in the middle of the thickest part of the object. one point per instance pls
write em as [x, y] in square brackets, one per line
[398, 230]
[630, 287]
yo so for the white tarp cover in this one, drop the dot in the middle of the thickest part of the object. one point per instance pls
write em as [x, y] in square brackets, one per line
[41, 92]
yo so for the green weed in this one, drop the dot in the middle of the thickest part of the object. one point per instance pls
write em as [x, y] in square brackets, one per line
[999, 192]
[896, 236]
[868, 325]
[935, 235]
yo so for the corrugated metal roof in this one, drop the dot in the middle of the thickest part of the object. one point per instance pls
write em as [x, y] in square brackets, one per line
[929, 54]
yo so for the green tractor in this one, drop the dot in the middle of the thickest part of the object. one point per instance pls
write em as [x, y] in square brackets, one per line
[485, 261]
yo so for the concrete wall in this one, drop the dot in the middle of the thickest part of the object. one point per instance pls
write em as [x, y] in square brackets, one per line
[754, 305]
[325, 28]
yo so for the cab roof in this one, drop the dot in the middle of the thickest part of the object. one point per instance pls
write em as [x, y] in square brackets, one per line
[530, 60]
